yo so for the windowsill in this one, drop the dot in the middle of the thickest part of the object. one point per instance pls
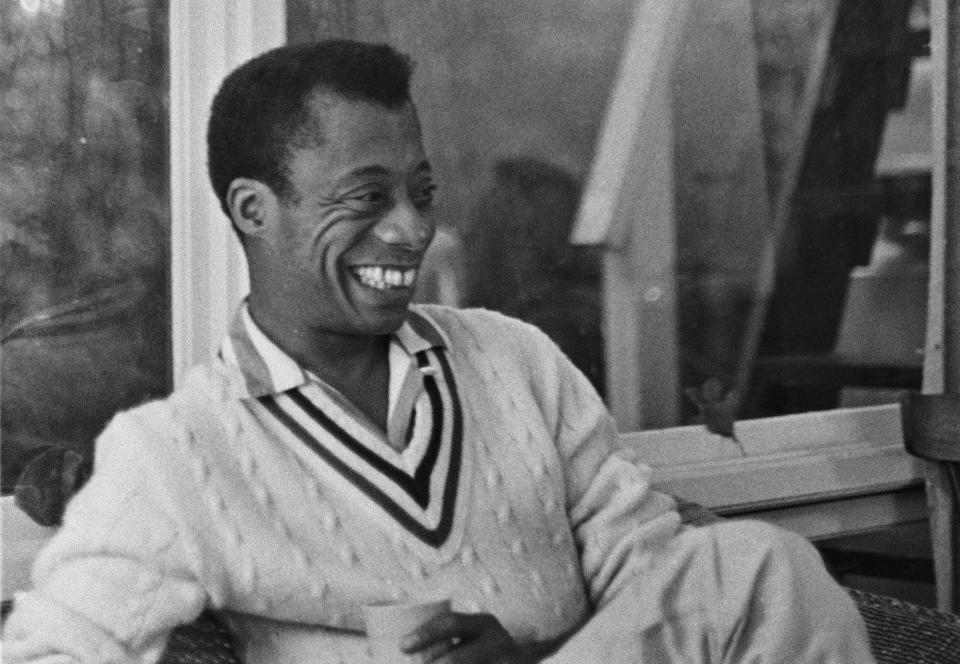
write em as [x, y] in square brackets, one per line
[820, 474]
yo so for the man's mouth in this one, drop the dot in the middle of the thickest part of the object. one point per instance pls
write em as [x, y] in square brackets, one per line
[383, 277]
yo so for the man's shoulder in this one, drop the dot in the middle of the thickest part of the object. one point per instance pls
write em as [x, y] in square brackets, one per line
[506, 345]
[200, 397]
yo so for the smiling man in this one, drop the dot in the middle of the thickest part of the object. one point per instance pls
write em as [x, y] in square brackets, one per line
[346, 448]
[335, 242]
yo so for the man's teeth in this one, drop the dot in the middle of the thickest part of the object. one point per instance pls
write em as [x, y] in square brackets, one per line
[382, 278]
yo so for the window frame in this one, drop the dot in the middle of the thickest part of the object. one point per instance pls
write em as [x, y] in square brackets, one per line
[208, 275]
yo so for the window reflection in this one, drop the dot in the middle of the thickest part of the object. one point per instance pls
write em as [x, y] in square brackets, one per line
[521, 226]
[512, 98]
[83, 219]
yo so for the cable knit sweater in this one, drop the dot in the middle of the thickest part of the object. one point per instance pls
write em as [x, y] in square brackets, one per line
[190, 506]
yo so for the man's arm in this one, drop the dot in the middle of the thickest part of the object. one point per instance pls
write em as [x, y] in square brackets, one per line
[616, 517]
[738, 591]
[121, 572]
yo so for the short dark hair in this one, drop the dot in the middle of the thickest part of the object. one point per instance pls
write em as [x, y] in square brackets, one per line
[261, 109]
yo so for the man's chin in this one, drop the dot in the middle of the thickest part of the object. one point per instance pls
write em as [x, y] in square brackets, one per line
[377, 312]
[386, 320]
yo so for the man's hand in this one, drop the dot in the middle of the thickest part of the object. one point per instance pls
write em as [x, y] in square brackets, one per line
[468, 638]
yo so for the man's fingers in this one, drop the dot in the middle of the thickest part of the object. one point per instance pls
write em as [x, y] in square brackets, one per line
[491, 647]
[447, 628]
[436, 651]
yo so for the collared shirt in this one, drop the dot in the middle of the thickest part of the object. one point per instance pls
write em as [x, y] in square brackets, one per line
[267, 369]
[412, 470]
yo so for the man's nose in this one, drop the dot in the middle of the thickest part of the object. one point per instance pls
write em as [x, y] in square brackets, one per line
[405, 226]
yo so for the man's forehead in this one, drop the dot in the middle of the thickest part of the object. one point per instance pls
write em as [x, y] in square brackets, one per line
[350, 139]
[334, 118]
[326, 103]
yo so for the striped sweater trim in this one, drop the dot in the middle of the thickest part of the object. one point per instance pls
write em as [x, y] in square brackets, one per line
[373, 475]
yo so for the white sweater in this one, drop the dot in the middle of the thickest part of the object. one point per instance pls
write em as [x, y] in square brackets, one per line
[193, 504]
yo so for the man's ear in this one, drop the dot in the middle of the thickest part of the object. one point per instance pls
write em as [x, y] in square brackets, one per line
[253, 206]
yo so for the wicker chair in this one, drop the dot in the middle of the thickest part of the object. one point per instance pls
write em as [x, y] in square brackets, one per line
[204, 641]
[903, 633]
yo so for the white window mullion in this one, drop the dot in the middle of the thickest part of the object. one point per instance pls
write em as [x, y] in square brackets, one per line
[208, 272]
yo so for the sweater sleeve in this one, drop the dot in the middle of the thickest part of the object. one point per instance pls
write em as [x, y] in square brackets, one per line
[616, 517]
[119, 575]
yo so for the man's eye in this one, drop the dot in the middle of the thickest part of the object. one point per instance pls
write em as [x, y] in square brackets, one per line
[365, 200]
[371, 197]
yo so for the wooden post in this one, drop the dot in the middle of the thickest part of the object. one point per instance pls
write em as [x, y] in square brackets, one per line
[208, 275]
[941, 370]
[951, 184]
[639, 289]
[631, 188]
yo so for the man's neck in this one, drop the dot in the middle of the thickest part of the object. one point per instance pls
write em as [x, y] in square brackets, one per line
[320, 351]
[355, 365]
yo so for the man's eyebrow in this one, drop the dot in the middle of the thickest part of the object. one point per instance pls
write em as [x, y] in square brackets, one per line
[374, 171]
[366, 171]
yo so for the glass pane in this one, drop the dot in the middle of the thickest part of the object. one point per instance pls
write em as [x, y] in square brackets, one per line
[512, 99]
[84, 219]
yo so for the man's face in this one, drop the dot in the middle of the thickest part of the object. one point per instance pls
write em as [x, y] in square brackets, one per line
[352, 235]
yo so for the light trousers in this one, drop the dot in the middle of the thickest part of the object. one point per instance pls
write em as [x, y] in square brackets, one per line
[738, 592]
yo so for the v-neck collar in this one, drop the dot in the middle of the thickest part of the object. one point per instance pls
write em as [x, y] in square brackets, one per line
[420, 493]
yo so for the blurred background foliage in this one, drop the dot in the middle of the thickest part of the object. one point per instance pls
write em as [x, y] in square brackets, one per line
[83, 218]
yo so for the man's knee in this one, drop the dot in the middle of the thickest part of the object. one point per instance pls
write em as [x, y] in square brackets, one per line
[777, 577]
[760, 539]
[775, 562]
[755, 557]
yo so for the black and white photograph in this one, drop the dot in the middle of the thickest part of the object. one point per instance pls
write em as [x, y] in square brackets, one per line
[480, 331]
